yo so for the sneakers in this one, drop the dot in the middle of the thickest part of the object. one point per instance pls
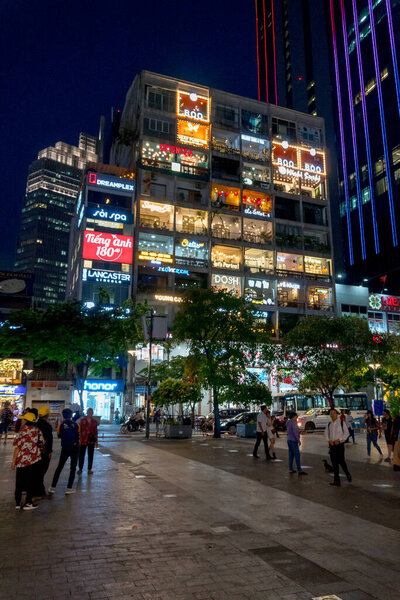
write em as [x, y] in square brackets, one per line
[302, 473]
[51, 490]
[18, 507]
[30, 506]
[69, 491]
[90, 472]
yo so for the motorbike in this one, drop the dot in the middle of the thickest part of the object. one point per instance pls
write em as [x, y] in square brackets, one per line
[129, 426]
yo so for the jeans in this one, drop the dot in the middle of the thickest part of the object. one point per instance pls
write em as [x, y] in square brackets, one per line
[351, 435]
[294, 454]
[26, 481]
[43, 465]
[82, 453]
[260, 437]
[66, 453]
[338, 460]
[373, 437]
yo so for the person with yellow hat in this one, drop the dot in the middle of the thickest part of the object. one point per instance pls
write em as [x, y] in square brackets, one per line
[28, 445]
[47, 432]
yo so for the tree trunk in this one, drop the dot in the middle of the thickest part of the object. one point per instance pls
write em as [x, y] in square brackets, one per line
[217, 423]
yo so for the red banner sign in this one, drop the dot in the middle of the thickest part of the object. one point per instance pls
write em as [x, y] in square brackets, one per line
[109, 247]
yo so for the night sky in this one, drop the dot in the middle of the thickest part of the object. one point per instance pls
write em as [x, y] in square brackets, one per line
[66, 62]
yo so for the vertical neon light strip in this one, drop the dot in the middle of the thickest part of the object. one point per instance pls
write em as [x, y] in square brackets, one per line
[258, 57]
[353, 130]
[274, 49]
[383, 124]
[265, 50]
[393, 48]
[366, 127]
[341, 128]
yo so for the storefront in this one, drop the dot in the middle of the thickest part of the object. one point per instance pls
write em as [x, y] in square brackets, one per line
[189, 251]
[156, 216]
[103, 396]
[289, 263]
[14, 394]
[318, 267]
[259, 261]
[290, 295]
[319, 298]
[190, 221]
[228, 283]
[259, 292]
[226, 257]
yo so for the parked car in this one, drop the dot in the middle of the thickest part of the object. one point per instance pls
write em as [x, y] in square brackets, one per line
[315, 418]
[230, 413]
[229, 425]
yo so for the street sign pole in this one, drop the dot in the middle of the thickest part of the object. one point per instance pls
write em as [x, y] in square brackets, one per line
[148, 386]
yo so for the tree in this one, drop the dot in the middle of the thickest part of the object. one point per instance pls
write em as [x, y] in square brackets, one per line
[172, 391]
[223, 337]
[328, 352]
[71, 333]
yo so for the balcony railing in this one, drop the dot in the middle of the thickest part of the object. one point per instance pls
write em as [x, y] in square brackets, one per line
[318, 276]
[258, 269]
[320, 306]
[287, 273]
[194, 262]
[283, 303]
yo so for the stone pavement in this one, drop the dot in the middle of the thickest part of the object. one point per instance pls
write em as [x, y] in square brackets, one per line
[202, 520]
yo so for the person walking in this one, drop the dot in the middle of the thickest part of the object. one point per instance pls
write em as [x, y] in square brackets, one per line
[68, 431]
[387, 425]
[372, 425]
[262, 433]
[28, 444]
[271, 433]
[293, 442]
[88, 437]
[350, 426]
[6, 417]
[336, 433]
[47, 433]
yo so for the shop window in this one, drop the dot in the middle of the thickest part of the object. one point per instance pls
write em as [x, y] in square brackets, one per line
[177, 159]
[225, 142]
[228, 283]
[289, 263]
[257, 231]
[255, 148]
[225, 197]
[376, 322]
[191, 221]
[393, 322]
[318, 268]
[158, 128]
[288, 236]
[290, 295]
[225, 168]
[256, 175]
[195, 281]
[226, 227]
[287, 208]
[156, 216]
[226, 257]
[319, 298]
[381, 186]
[254, 122]
[314, 214]
[226, 115]
[189, 251]
[257, 204]
[259, 292]
[155, 249]
[259, 261]
[283, 130]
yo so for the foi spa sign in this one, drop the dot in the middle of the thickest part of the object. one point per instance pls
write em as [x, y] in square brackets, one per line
[109, 247]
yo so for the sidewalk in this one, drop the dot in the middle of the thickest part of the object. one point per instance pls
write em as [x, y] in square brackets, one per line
[201, 520]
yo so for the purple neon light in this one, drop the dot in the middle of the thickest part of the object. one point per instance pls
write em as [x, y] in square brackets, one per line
[341, 128]
[393, 48]
[383, 124]
[353, 131]
[366, 127]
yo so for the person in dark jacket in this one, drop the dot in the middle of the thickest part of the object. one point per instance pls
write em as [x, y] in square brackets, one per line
[88, 440]
[47, 433]
[68, 431]
[6, 418]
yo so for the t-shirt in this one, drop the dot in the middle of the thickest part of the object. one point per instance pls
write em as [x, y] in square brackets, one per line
[29, 442]
[336, 430]
[262, 419]
[6, 415]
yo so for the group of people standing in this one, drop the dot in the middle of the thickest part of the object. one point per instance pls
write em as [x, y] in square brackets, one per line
[267, 432]
[33, 449]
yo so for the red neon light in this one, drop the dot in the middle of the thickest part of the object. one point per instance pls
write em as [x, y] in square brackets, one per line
[93, 178]
[176, 150]
[109, 247]
[265, 50]
[258, 60]
[273, 43]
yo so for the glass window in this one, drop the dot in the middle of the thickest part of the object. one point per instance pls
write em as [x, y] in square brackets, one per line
[257, 231]
[319, 298]
[156, 216]
[314, 214]
[254, 122]
[255, 148]
[226, 257]
[317, 266]
[366, 195]
[225, 197]
[259, 292]
[396, 155]
[226, 227]
[289, 262]
[256, 175]
[229, 283]
[257, 204]
[174, 158]
[311, 135]
[156, 249]
[284, 130]
[226, 115]
[157, 128]
[225, 168]
[381, 186]
[287, 208]
[379, 166]
[190, 196]
[225, 142]
[191, 221]
[157, 190]
[290, 295]
[192, 252]
[259, 261]
[316, 240]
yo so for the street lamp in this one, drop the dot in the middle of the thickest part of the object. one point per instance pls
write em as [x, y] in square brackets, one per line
[374, 367]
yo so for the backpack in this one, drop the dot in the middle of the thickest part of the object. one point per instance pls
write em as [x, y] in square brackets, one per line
[69, 433]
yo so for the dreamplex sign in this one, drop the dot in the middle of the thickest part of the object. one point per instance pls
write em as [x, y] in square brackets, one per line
[110, 182]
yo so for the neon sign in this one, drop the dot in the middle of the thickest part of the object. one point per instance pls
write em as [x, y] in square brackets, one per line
[191, 244]
[297, 161]
[193, 106]
[176, 150]
[105, 276]
[110, 182]
[225, 279]
[108, 214]
[12, 390]
[107, 246]
[156, 258]
[174, 270]
[175, 299]
[194, 134]
[288, 285]
[94, 385]
[384, 303]
[161, 208]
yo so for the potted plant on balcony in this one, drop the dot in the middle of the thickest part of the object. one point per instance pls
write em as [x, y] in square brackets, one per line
[175, 392]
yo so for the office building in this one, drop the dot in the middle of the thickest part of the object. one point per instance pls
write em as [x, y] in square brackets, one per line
[51, 191]
[305, 64]
[230, 193]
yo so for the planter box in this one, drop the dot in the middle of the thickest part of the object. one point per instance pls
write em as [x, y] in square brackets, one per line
[178, 431]
[246, 430]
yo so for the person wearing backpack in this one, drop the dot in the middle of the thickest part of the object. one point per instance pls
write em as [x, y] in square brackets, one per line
[68, 432]
[337, 433]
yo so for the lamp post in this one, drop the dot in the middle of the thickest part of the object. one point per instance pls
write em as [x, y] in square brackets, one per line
[131, 378]
[374, 367]
[27, 372]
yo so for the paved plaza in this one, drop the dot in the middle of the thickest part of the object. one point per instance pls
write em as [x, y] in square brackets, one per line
[202, 519]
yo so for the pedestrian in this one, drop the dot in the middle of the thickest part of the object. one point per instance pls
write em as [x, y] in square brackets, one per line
[157, 419]
[28, 444]
[350, 426]
[88, 440]
[293, 442]
[47, 433]
[6, 418]
[68, 431]
[387, 424]
[116, 416]
[372, 425]
[262, 433]
[336, 434]
[271, 433]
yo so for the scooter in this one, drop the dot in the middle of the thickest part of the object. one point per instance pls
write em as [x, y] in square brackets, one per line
[129, 426]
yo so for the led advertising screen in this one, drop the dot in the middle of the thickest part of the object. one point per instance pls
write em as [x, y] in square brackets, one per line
[193, 106]
[110, 247]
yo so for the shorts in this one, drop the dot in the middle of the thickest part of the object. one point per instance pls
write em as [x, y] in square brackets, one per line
[4, 427]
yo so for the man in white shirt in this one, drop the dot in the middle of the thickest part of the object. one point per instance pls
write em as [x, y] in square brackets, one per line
[337, 433]
[262, 432]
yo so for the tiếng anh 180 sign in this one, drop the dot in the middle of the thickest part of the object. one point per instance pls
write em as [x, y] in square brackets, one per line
[109, 247]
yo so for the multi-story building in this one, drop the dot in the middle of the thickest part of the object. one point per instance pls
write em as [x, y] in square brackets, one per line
[231, 193]
[340, 60]
[52, 186]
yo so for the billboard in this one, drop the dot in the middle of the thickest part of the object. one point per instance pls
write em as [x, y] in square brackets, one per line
[15, 284]
[109, 182]
[193, 106]
[110, 247]
[108, 213]
[193, 134]
[100, 276]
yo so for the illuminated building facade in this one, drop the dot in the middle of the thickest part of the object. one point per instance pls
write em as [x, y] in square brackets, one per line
[340, 60]
[230, 193]
[52, 186]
